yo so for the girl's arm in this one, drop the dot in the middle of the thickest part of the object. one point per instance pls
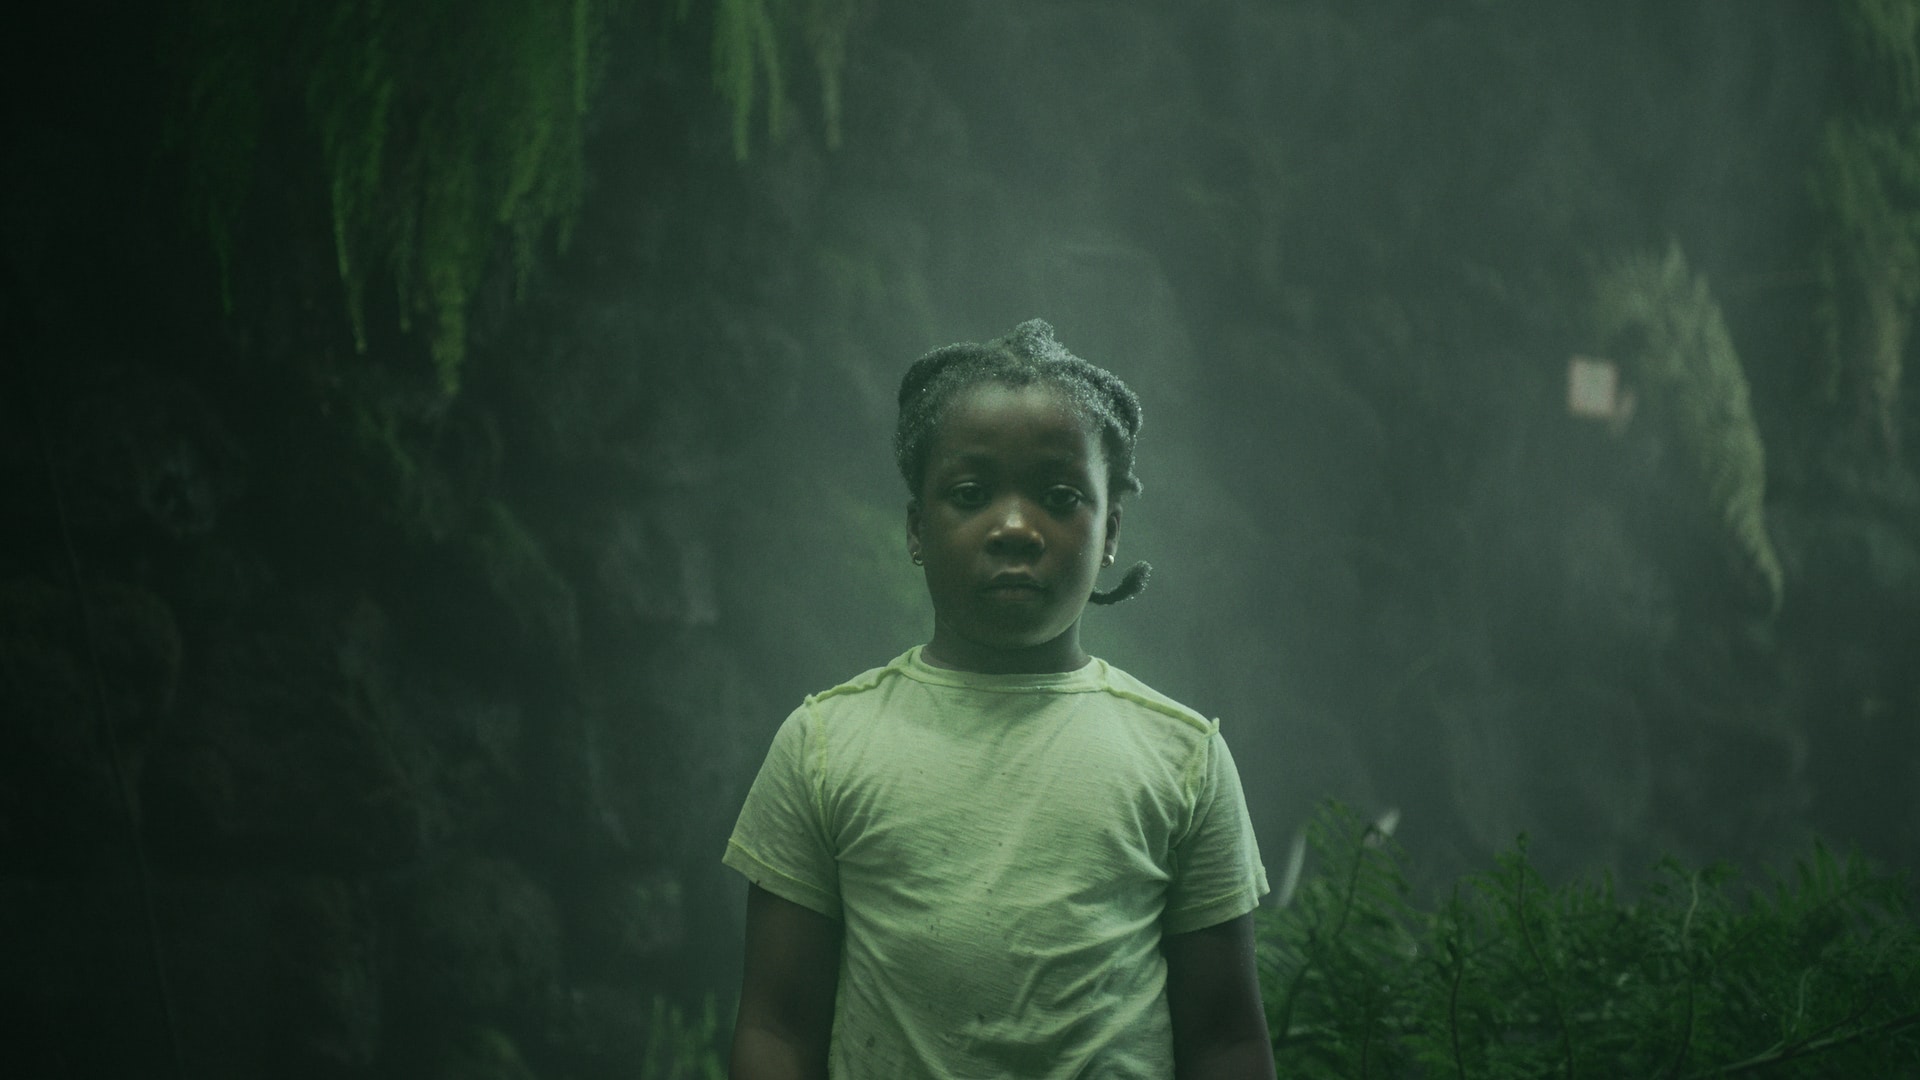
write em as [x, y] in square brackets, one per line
[1213, 992]
[786, 996]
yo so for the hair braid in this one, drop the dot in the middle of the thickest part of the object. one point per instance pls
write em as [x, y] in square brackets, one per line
[1026, 356]
[1130, 586]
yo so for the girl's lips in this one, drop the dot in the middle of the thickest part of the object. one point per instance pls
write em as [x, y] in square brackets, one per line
[1014, 583]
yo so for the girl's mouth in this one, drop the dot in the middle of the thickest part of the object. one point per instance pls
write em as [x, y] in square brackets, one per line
[1014, 583]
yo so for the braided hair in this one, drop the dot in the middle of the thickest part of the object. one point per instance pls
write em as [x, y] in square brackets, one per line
[1026, 356]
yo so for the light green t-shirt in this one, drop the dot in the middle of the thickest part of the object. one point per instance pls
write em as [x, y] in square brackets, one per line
[1006, 852]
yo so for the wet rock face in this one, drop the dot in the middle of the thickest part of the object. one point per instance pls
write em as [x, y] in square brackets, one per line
[375, 844]
[483, 935]
[137, 448]
[63, 660]
[295, 746]
[333, 761]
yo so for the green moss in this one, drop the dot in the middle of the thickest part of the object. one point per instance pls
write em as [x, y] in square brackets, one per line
[748, 58]
[1660, 321]
[447, 130]
[745, 52]
[222, 112]
[826, 26]
[444, 129]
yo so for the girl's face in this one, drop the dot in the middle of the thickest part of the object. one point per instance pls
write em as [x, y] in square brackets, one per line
[1011, 522]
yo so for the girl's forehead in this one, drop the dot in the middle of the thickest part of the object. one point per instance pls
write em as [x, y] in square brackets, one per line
[995, 417]
[986, 407]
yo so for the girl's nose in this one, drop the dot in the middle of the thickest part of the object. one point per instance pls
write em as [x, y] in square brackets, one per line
[1013, 527]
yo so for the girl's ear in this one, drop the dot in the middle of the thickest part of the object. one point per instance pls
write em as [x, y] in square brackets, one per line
[1111, 547]
[913, 526]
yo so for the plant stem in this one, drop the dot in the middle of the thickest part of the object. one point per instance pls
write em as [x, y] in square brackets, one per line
[1805, 1049]
[1526, 934]
[1453, 1013]
[1346, 907]
[1686, 1032]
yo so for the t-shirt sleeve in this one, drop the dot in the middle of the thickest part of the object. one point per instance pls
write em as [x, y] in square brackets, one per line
[780, 842]
[1217, 874]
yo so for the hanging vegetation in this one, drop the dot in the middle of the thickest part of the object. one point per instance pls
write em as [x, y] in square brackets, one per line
[443, 128]
[1655, 317]
[747, 57]
[1866, 194]
[447, 130]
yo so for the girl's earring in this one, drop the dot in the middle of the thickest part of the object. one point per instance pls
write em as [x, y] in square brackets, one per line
[1105, 560]
[915, 556]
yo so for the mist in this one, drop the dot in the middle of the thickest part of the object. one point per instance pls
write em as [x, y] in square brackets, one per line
[1519, 458]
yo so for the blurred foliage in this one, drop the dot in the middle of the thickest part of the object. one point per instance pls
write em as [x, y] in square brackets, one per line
[747, 57]
[1818, 975]
[680, 1047]
[1866, 194]
[479, 1053]
[1321, 953]
[1660, 321]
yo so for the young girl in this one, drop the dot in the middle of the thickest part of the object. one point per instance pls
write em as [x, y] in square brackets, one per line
[998, 856]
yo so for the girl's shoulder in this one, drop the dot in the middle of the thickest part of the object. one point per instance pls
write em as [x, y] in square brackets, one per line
[868, 680]
[1125, 687]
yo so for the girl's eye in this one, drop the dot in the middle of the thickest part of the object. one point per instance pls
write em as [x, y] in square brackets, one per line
[1061, 498]
[968, 495]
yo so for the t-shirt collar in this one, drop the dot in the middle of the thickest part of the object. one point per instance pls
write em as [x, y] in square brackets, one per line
[1085, 677]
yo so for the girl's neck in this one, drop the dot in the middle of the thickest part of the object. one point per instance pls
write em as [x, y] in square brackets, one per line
[953, 652]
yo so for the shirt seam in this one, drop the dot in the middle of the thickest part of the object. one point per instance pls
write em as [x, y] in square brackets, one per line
[814, 760]
[1196, 764]
[1250, 885]
[803, 886]
[1247, 892]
